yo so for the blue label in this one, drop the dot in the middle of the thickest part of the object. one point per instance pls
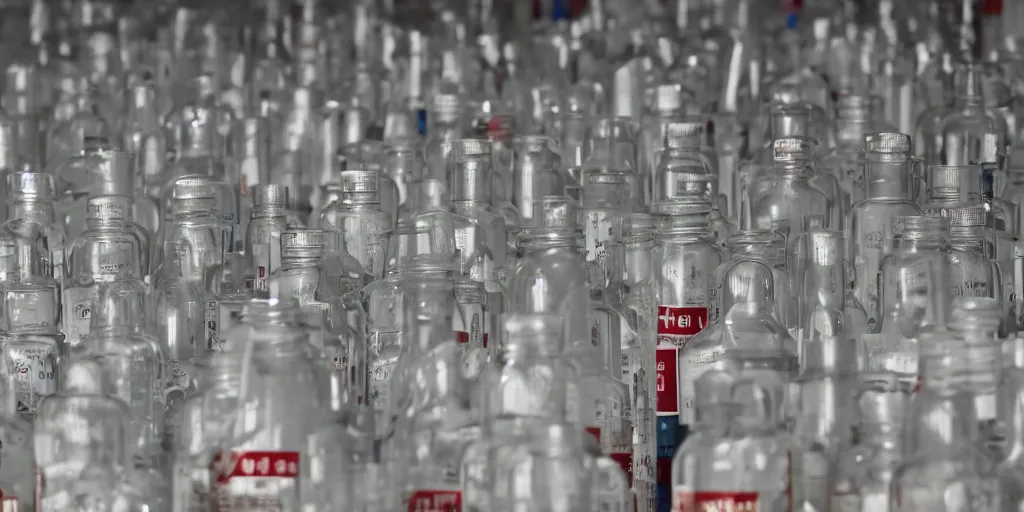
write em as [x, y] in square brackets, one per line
[421, 121]
[988, 180]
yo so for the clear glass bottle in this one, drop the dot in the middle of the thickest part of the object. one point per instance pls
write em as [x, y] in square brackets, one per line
[434, 421]
[33, 228]
[945, 469]
[789, 202]
[263, 235]
[278, 376]
[445, 123]
[105, 252]
[887, 176]
[911, 276]
[535, 173]
[864, 469]
[550, 277]
[80, 435]
[360, 219]
[972, 272]
[738, 419]
[18, 474]
[34, 352]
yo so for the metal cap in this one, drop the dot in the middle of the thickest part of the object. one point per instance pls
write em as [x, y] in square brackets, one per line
[36, 185]
[959, 182]
[463, 150]
[792, 149]
[193, 187]
[360, 181]
[108, 208]
[887, 143]
[269, 194]
[966, 216]
[302, 238]
[684, 135]
[920, 226]
[446, 105]
[665, 97]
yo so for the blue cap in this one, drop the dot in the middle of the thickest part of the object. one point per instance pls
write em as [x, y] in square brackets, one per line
[560, 10]
[791, 20]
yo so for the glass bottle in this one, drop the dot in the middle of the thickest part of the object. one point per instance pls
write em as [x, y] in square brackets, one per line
[1011, 414]
[33, 228]
[516, 397]
[970, 134]
[18, 474]
[34, 352]
[358, 216]
[550, 277]
[445, 123]
[911, 275]
[887, 175]
[263, 235]
[789, 202]
[864, 469]
[80, 435]
[535, 173]
[469, 175]
[278, 376]
[664, 105]
[846, 160]
[105, 252]
[434, 421]
[738, 419]
[945, 469]
[972, 272]
[768, 247]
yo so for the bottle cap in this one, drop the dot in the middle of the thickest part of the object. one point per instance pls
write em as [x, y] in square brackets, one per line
[790, 121]
[305, 242]
[887, 143]
[792, 149]
[193, 187]
[108, 208]
[446, 105]
[684, 135]
[665, 97]
[276, 194]
[463, 150]
[37, 185]
[966, 216]
[554, 212]
[954, 182]
[361, 181]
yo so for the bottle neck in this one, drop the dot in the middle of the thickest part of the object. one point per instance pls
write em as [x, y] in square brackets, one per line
[41, 210]
[268, 210]
[428, 305]
[887, 176]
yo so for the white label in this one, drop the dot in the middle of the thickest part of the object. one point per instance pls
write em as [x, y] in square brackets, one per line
[692, 365]
[572, 401]
[34, 368]
[77, 314]
[57, 262]
[380, 382]
[212, 319]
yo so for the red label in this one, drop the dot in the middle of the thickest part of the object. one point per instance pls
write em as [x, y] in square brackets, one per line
[498, 128]
[8, 503]
[435, 501]
[262, 271]
[596, 432]
[625, 461]
[715, 502]
[256, 465]
[463, 337]
[667, 396]
[679, 321]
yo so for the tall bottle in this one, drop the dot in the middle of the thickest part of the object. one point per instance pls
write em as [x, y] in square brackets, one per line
[887, 177]
[788, 202]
